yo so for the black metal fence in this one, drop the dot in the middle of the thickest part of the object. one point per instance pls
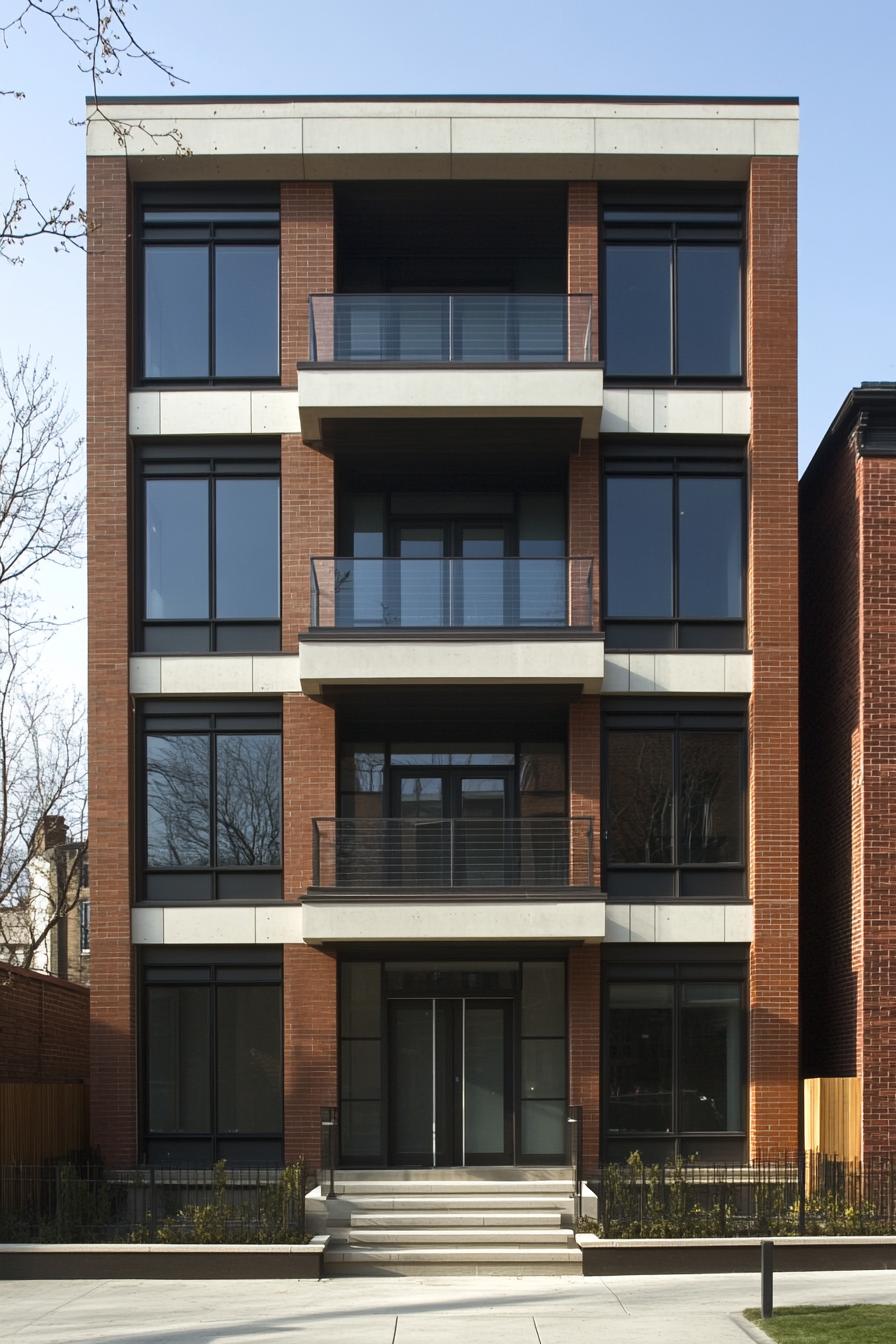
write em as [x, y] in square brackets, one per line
[80, 1201]
[812, 1196]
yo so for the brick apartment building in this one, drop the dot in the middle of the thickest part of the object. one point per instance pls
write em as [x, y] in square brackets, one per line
[443, 629]
[848, 756]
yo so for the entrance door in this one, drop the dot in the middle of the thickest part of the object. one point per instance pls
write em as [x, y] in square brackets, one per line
[450, 1082]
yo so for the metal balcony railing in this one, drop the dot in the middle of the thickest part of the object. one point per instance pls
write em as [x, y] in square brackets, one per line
[510, 593]
[401, 854]
[451, 328]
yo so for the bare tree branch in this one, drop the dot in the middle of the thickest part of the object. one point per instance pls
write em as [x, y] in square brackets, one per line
[103, 37]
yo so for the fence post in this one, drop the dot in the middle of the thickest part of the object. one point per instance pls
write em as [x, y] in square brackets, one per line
[801, 1177]
[152, 1204]
[58, 1202]
[766, 1270]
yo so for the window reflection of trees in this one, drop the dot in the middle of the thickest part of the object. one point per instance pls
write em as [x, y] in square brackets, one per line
[247, 803]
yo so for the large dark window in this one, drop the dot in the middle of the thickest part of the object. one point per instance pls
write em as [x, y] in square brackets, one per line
[213, 1058]
[210, 285]
[675, 1070]
[212, 800]
[210, 554]
[672, 290]
[674, 552]
[675, 791]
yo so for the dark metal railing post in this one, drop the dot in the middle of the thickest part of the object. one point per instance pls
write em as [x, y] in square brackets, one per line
[574, 1120]
[312, 334]
[767, 1271]
[451, 841]
[329, 1118]
[315, 852]
[151, 1218]
[801, 1178]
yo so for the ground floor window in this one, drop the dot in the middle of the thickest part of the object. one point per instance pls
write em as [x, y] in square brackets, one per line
[674, 1061]
[449, 1063]
[213, 1058]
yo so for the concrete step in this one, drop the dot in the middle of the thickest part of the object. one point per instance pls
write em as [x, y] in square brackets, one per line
[425, 1260]
[439, 1174]
[441, 1188]
[457, 1203]
[459, 1236]
[478, 1218]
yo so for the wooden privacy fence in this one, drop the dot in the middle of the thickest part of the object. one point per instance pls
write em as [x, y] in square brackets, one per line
[832, 1117]
[40, 1121]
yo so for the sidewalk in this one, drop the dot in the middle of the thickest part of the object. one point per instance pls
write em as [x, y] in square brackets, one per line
[656, 1310]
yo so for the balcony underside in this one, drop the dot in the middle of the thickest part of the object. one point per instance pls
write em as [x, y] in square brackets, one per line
[465, 658]
[338, 392]
[560, 916]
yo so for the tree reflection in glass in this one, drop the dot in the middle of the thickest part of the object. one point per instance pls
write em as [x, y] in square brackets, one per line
[177, 800]
[248, 799]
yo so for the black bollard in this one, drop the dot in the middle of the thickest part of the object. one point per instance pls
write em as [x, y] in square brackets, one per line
[766, 1271]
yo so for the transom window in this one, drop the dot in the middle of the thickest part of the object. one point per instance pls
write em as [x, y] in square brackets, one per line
[212, 785]
[675, 1062]
[675, 794]
[213, 1061]
[211, 548]
[211, 285]
[672, 289]
[674, 548]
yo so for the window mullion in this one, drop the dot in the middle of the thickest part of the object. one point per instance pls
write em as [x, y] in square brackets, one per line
[212, 353]
[673, 334]
[213, 806]
[213, 558]
[213, 1065]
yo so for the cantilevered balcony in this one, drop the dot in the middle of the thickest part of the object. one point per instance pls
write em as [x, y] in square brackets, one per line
[382, 621]
[470, 355]
[453, 878]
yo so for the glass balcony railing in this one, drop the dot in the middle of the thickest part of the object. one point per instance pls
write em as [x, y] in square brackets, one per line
[353, 593]
[412, 854]
[450, 328]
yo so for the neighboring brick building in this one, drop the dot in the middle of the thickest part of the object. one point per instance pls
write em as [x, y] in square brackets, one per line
[49, 929]
[848, 756]
[443, 629]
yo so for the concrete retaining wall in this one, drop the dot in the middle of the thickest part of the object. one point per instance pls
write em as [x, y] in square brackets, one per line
[113, 1261]
[732, 1255]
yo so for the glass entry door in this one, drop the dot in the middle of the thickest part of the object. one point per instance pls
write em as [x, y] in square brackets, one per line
[450, 1082]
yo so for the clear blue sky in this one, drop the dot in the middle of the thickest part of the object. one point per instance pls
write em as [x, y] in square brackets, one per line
[838, 59]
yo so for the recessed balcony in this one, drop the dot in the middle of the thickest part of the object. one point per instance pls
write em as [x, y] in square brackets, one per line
[454, 355]
[471, 878]
[389, 621]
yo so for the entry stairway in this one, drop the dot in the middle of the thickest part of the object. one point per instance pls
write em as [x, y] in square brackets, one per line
[462, 1220]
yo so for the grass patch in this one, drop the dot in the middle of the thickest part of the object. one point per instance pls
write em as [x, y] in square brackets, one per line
[829, 1325]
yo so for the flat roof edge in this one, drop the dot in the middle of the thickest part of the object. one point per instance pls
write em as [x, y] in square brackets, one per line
[652, 99]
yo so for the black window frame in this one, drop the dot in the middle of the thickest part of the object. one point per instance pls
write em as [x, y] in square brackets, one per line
[684, 966]
[197, 967]
[676, 460]
[219, 200]
[211, 461]
[84, 926]
[259, 884]
[688, 883]
[684, 199]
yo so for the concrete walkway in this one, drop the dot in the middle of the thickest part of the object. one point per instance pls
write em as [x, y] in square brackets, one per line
[564, 1310]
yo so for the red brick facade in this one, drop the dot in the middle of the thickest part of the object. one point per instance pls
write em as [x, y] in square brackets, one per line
[772, 625]
[310, 764]
[848, 759]
[44, 1028]
[113, 1078]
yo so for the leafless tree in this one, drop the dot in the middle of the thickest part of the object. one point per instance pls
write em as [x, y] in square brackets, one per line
[41, 504]
[42, 750]
[42, 775]
[102, 37]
